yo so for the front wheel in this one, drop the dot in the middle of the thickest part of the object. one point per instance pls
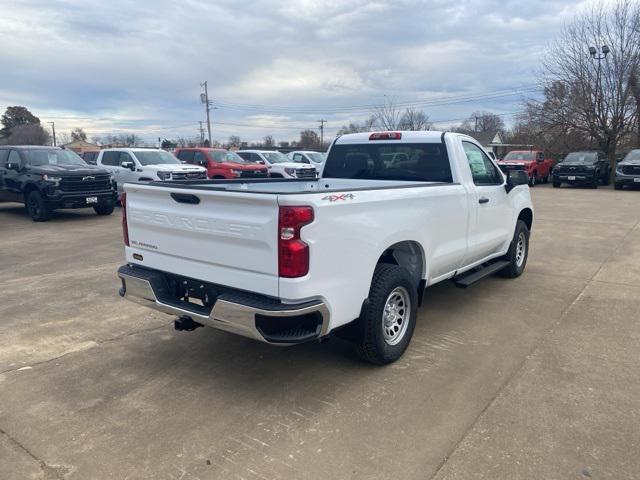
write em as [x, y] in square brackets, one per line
[518, 252]
[617, 186]
[104, 209]
[37, 208]
[556, 183]
[387, 320]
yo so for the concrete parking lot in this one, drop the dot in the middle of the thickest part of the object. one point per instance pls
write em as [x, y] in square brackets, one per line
[529, 378]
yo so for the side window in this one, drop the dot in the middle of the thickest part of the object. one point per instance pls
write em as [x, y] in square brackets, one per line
[111, 158]
[245, 155]
[4, 154]
[199, 158]
[124, 157]
[14, 157]
[256, 158]
[186, 156]
[483, 170]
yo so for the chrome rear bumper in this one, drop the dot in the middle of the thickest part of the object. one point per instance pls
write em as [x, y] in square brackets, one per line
[237, 313]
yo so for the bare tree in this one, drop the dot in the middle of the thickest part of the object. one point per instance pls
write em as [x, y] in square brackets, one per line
[481, 121]
[268, 142]
[356, 127]
[387, 114]
[589, 96]
[634, 84]
[78, 134]
[28, 134]
[413, 119]
[234, 141]
[309, 139]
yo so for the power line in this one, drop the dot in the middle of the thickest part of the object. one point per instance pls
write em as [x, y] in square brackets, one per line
[438, 101]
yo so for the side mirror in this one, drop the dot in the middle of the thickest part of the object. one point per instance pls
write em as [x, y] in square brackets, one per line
[14, 166]
[128, 164]
[515, 178]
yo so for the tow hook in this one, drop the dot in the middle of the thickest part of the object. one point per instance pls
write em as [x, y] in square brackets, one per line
[186, 324]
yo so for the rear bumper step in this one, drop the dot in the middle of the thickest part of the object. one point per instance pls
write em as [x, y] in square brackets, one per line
[250, 315]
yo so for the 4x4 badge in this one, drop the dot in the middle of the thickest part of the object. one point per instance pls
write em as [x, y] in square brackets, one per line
[339, 196]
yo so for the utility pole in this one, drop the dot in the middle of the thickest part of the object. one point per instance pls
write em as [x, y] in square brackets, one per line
[53, 127]
[202, 134]
[204, 98]
[322, 122]
[476, 118]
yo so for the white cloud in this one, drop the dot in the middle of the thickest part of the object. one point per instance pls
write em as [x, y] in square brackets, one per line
[137, 66]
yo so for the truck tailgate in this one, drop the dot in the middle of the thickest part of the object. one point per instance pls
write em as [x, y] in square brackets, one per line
[228, 238]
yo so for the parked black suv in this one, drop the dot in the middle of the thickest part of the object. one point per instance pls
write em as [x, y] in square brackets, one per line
[628, 170]
[48, 178]
[587, 168]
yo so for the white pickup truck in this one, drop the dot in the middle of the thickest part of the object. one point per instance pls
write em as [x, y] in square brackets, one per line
[288, 261]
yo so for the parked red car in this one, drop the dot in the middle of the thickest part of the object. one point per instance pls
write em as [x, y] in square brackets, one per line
[531, 161]
[221, 163]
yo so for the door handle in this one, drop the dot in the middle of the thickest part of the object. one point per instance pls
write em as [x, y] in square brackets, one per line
[483, 200]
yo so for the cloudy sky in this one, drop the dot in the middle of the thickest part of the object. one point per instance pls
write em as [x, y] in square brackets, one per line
[273, 66]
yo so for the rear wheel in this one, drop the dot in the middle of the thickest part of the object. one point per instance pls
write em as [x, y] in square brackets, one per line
[37, 208]
[532, 179]
[518, 252]
[386, 323]
[104, 209]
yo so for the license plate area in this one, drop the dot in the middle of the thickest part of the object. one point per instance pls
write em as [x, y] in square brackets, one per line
[571, 177]
[91, 200]
[636, 180]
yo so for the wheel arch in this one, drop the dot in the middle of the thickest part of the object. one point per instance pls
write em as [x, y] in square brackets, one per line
[28, 188]
[410, 255]
[526, 215]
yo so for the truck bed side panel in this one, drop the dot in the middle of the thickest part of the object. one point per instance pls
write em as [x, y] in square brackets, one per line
[351, 232]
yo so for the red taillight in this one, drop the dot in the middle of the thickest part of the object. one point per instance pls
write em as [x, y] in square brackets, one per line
[293, 253]
[386, 136]
[125, 227]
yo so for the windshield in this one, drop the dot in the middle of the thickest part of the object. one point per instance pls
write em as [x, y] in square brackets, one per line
[581, 157]
[632, 156]
[519, 156]
[155, 157]
[316, 157]
[54, 156]
[418, 162]
[220, 156]
[276, 157]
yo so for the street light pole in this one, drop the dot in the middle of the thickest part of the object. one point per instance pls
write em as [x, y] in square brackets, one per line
[205, 99]
[598, 57]
[53, 127]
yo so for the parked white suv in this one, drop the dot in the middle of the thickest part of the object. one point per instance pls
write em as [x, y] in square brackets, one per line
[312, 158]
[279, 165]
[132, 165]
[351, 252]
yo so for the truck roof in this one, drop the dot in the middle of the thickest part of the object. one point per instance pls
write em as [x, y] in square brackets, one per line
[429, 136]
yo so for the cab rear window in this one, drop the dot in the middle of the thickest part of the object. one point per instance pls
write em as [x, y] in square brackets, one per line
[423, 162]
